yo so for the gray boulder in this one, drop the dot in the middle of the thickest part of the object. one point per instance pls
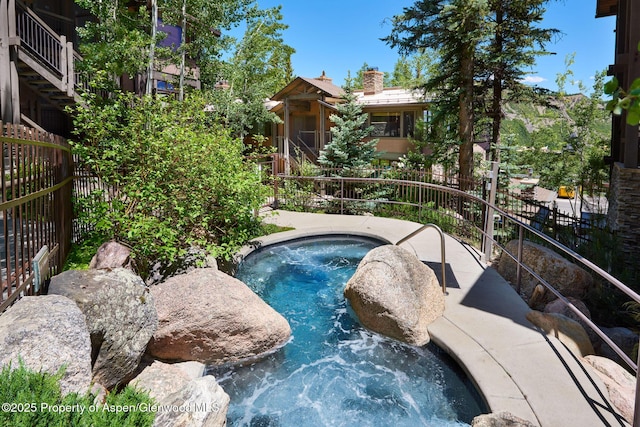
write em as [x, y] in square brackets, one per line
[211, 317]
[624, 338]
[111, 255]
[201, 402]
[160, 379]
[565, 276]
[120, 314]
[395, 294]
[500, 419]
[47, 332]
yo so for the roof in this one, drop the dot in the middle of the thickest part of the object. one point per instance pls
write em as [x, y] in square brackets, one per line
[606, 8]
[308, 85]
[391, 96]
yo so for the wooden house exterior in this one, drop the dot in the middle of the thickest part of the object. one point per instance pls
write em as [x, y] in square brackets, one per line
[624, 200]
[38, 64]
[305, 106]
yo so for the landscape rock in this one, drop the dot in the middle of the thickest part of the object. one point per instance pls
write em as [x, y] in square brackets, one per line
[160, 379]
[194, 258]
[568, 331]
[47, 332]
[211, 317]
[619, 382]
[624, 338]
[395, 294]
[559, 307]
[568, 278]
[205, 401]
[111, 255]
[120, 315]
[500, 419]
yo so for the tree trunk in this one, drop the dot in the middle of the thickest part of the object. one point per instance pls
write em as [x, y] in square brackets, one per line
[465, 129]
[498, 77]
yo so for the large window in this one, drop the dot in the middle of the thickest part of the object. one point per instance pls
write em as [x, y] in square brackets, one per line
[392, 124]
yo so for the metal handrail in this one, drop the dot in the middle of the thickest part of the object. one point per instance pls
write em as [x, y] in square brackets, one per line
[518, 258]
[442, 250]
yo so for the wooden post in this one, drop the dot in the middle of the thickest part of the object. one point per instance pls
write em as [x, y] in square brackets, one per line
[63, 63]
[6, 108]
[13, 57]
[287, 160]
[322, 127]
[71, 72]
[631, 138]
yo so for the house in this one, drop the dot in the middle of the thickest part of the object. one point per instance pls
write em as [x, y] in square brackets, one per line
[38, 63]
[624, 198]
[306, 104]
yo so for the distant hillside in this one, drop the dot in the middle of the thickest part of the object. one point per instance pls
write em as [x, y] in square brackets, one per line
[555, 142]
[556, 118]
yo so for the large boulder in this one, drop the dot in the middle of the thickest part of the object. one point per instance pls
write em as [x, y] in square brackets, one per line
[500, 419]
[120, 314]
[211, 317]
[624, 338]
[568, 331]
[46, 333]
[395, 294]
[201, 402]
[111, 255]
[620, 384]
[559, 307]
[171, 385]
[568, 278]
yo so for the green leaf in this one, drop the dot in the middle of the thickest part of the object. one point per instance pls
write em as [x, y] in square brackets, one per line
[611, 105]
[611, 86]
[633, 116]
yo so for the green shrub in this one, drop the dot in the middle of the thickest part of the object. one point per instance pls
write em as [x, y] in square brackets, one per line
[177, 178]
[33, 399]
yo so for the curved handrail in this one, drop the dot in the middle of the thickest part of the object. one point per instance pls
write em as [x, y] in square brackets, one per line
[518, 258]
[442, 250]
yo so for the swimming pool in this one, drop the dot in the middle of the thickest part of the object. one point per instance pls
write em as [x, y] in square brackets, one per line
[333, 372]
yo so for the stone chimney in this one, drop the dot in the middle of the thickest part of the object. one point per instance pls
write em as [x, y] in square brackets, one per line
[324, 78]
[373, 81]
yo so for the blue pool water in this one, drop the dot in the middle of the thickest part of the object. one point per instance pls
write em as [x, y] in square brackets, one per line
[333, 372]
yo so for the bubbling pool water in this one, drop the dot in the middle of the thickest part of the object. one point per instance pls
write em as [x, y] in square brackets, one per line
[333, 372]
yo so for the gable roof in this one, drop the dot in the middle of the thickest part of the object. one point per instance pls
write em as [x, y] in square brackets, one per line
[308, 85]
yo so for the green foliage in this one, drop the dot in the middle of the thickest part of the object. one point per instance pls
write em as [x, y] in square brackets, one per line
[622, 100]
[258, 68]
[32, 397]
[349, 150]
[177, 178]
[81, 253]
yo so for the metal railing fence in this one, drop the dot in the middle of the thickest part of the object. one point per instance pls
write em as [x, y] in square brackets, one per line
[459, 213]
[35, 209]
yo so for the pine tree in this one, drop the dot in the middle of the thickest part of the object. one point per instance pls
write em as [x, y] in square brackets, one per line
[349, 150]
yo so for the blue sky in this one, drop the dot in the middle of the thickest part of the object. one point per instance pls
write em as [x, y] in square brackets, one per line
[337, 36]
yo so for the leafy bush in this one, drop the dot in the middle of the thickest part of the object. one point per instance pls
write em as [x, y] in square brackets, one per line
[34, 399]
[176, 178]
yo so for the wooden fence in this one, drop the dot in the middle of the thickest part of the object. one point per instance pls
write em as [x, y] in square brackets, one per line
[35, 209]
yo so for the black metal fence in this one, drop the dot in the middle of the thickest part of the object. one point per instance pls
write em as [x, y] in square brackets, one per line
[35, 209]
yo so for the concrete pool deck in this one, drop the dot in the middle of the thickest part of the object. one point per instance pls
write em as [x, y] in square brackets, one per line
[515, 367]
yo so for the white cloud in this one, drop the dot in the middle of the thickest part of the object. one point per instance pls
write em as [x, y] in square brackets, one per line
[533, 79]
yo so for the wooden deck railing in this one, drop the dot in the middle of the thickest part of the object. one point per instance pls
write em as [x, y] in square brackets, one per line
[51, 50]
[35, 209]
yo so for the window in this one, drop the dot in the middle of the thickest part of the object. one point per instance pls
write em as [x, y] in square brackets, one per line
[385, 124]
[393, 124]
